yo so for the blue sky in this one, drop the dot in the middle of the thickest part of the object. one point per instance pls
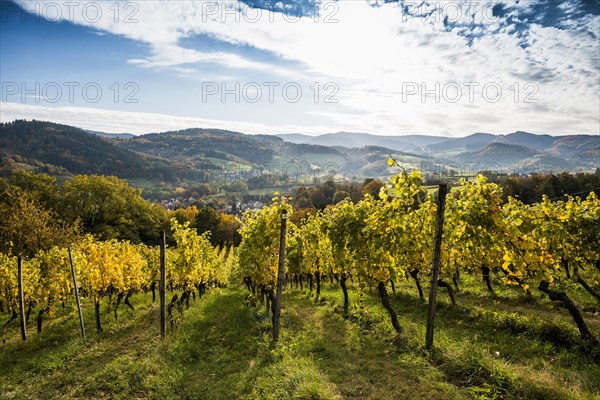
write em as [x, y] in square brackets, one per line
[383, 67]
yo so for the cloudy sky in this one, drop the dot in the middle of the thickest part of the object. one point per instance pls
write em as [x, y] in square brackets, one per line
[403, 67]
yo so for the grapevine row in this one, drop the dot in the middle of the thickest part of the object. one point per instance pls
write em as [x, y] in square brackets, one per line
[114, 269]
[378, 241]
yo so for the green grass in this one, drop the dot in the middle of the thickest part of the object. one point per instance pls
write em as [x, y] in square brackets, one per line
[143, 183]
[507, 347]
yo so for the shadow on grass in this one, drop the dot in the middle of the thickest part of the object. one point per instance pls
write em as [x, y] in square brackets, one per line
[475, 314]
[361, 365]
[59, 363]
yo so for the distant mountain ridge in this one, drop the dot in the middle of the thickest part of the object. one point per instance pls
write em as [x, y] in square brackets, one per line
[521, 150]
[474, 141]
[201, 154]
[355, 139]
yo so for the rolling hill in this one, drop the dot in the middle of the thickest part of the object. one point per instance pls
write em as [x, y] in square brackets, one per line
[62, 150]
[498, 154]
[558, 153]
[200, 155]
[210, 149]
[201, 145]
[517, 152]
[537, 142]
[451, 147]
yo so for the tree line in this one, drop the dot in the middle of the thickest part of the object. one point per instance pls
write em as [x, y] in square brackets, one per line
[36, 205]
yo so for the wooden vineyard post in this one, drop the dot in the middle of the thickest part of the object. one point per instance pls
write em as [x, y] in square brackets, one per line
[21, 300]
[162, 287]
[437, 248]
[81, 325]
[280, 278]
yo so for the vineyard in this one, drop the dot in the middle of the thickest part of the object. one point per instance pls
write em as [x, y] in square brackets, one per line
[113, 271]
[521, 277]
[376, 243]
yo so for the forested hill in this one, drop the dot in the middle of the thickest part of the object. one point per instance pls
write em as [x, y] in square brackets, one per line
[211, 149]
[196, 155]
[205, 144]
[203, 155]
[62, 150]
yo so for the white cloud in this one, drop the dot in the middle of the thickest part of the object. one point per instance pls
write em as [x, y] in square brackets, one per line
[372, 53]
[137, 123]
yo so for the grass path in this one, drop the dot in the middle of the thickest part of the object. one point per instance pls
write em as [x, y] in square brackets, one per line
[220, 349]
